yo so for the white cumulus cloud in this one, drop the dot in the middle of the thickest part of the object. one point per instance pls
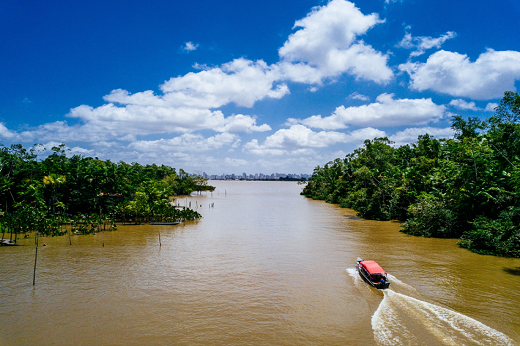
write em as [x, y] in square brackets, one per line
[464, 105]
[327, 41]
[386, 111]
[187, 142]
[240, 81]
[5, 133]
[454, 74]
[420, 44]
[461, 104]
[358, 96]
[190, 46]
[490, 107]
[299, 139]
[410, 135]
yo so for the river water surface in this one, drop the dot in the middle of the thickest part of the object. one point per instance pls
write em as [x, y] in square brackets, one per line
[264, 266]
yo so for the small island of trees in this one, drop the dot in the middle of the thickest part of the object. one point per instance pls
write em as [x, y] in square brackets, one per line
[86, 192]
[467, 187]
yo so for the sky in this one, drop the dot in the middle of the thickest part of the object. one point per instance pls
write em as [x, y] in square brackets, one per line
[248, 86]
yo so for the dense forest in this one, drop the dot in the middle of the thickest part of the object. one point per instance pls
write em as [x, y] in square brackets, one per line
[466, 187]
[43, 195]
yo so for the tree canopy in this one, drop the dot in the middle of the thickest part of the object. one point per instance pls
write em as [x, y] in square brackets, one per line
[467, 187]
[42, 194]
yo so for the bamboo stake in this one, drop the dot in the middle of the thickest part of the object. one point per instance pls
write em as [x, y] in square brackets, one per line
[160, 239]
[70, 240]
[35, 259]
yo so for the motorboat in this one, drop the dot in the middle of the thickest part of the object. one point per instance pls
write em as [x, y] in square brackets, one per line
[373, 273]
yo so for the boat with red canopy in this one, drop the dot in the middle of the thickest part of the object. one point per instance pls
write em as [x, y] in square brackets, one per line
[373, 273]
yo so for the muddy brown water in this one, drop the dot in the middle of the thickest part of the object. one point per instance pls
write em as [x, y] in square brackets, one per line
[265, 266]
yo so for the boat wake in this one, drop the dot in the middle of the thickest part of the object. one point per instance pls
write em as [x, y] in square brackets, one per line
[355, 275]
[404, 320]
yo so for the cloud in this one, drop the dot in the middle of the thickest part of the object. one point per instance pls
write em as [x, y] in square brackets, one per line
[5, 133]
[461, 104]
[386, 111]
[490, 107]
[359, 136]
[358, 96]
[125, 123]
[410, 135]
[454, 74]
[327, 42]
[145, 120]
[421, 43]
[298, 139]
[81, 151]
[230, 162]
[189, 46]
[185, 143]
[240, 81]
[241, 123]
[325, 45]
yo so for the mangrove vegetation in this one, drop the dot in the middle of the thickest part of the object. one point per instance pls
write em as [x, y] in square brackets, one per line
[467, 187]
[87, 193]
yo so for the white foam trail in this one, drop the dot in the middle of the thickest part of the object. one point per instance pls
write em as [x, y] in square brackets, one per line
[354, 273]
[398, 285]
[394, 279]
[403, 320]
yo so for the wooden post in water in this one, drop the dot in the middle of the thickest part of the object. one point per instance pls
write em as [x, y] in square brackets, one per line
[35, 259]
[160, 239]
[70, 240]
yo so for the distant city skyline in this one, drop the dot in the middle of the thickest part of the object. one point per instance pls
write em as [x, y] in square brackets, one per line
[255, 176]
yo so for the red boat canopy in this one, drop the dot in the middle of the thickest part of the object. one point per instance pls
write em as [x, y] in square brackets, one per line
[372, 267]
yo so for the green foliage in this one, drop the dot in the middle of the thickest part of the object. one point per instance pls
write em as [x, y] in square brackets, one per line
[431, 217]
[495, 236]
[85, 192]
[465, 187]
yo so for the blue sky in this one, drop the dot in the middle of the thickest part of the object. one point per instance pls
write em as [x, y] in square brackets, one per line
[237, 86]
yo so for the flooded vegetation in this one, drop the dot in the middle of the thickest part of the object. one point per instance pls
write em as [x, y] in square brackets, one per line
[84, 192]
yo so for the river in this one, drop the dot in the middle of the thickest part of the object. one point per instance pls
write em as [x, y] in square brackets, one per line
[264, 266]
